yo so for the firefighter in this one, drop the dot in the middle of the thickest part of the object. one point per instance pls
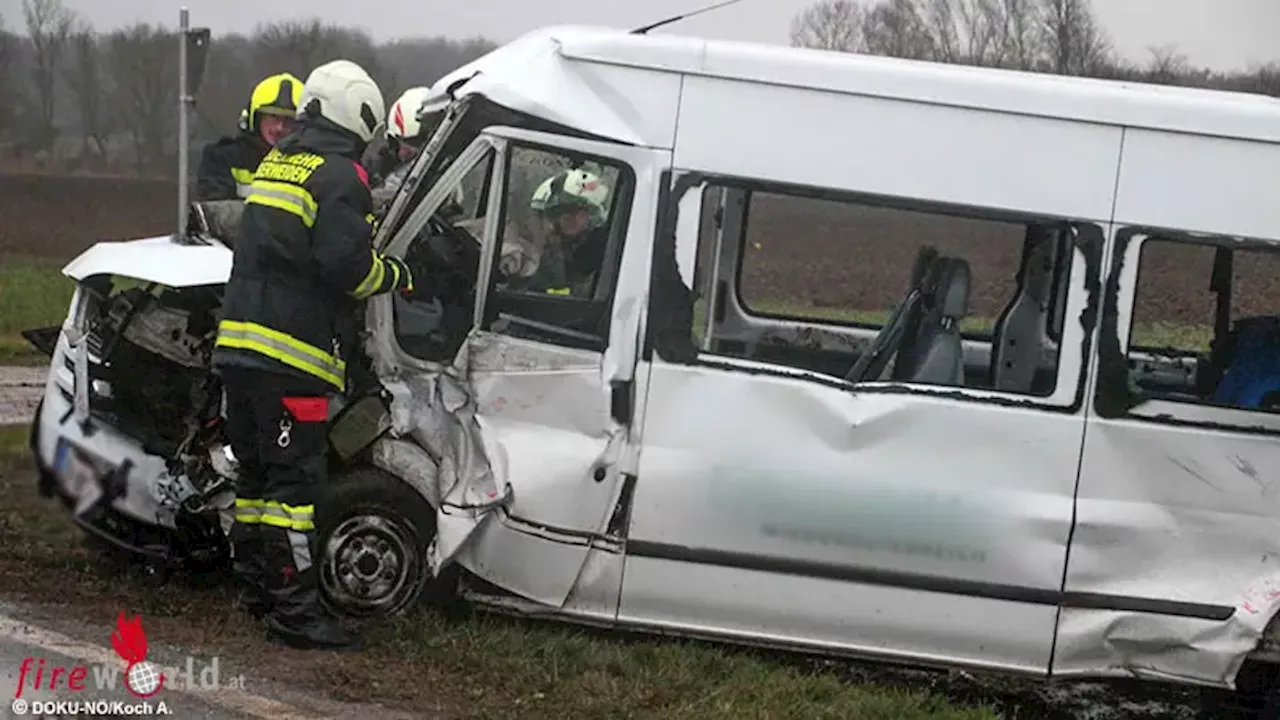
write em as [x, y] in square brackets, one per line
[304, 264]
[226, 166]
[410, 123]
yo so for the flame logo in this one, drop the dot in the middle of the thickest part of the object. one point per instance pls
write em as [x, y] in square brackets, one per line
[130, 643]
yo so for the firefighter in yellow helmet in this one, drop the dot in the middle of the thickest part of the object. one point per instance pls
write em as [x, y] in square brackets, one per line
[226, 167]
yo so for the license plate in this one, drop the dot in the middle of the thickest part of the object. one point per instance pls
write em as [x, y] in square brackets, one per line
[81, 474]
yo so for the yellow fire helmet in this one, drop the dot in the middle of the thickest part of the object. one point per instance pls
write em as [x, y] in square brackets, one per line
[276, 95]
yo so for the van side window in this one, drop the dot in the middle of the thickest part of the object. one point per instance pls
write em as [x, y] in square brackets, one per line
[876, 293]
[1205, 327]
[559, 247]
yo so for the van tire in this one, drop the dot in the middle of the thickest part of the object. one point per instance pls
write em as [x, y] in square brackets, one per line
[1257, 695]
[372, 535]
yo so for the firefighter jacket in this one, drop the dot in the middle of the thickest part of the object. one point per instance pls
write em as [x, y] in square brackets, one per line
[304, 261]
[226, 167]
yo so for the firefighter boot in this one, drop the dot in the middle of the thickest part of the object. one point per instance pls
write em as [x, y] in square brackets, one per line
[297, 618]
[247, 566]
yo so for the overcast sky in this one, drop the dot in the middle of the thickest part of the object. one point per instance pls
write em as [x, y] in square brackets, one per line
[1222, 34]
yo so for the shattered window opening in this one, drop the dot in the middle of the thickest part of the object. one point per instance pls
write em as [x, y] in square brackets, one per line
[1205, 324]
[812, 282]
[445, 260]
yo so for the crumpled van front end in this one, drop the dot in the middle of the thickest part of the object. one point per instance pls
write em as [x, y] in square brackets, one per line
[128, 395]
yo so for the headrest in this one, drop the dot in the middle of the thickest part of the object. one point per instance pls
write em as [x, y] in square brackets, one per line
[955, 288]
[925, 256]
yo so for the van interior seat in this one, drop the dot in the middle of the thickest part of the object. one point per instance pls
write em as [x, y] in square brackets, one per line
[926, 314]
[924, 282]
[1017, 337]
[892, 345]
[941, 347]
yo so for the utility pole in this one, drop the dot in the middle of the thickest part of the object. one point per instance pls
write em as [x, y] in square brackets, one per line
[193, 49]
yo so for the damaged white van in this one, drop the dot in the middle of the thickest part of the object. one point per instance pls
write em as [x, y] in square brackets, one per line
[1008, 464]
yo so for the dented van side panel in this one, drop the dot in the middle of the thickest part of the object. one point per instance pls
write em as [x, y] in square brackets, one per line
[1176, 509]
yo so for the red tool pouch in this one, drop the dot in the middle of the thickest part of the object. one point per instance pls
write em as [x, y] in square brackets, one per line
[308, 409]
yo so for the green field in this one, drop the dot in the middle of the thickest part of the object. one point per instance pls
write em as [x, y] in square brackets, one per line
[33, 293]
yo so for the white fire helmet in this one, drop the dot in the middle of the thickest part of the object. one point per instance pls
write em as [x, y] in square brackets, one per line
[343, 93]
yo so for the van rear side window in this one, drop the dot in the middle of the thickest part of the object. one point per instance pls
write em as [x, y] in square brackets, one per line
[869, 292]
[1205, 327]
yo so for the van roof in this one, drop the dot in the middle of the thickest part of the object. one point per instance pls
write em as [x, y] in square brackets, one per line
[516, 76]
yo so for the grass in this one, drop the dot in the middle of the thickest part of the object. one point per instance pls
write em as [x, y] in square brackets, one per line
[33, 293]
[454, 664]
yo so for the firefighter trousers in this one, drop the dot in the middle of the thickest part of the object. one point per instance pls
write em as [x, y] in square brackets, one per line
[277, 425]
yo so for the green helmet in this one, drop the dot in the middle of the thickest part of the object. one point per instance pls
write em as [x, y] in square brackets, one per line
[572, 189]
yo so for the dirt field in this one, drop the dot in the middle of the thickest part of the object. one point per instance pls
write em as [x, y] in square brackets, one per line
[59, 216]
[810, 252]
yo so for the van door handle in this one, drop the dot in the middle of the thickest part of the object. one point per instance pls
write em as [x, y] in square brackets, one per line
[620, 402]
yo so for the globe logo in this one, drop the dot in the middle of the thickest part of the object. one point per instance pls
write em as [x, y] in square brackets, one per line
[141, 677]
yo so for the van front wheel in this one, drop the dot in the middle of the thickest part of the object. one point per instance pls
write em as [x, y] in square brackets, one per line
[372, 532]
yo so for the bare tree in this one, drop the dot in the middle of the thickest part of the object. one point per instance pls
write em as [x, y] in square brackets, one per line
[963, 31]
[300, 46]
[88, 85]
[8, 86]
[897, 28]
[939, 20]
[829, 25]
[230, 75]
[1075, 43]
[421, 61]
[49, 25]
[1167, 65]
[1020, 37]
[144, 66]
[1268, 80]
[1058, 35]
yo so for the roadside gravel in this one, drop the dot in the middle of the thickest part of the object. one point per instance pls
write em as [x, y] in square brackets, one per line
[20, 390]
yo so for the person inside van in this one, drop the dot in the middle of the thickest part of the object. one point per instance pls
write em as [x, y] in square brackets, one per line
[570, 217]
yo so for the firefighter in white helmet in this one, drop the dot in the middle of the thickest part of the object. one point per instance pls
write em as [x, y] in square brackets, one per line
[413, 117]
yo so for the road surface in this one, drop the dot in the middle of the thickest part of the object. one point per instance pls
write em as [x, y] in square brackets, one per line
[27, 637]
[20, 390]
